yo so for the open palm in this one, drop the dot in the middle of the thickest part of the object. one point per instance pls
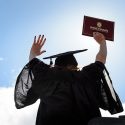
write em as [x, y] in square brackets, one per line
[37, 45]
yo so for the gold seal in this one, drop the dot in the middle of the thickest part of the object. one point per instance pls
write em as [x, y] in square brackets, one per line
[99, 24]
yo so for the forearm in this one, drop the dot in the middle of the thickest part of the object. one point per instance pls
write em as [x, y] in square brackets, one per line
[31, 56]
[102, 54]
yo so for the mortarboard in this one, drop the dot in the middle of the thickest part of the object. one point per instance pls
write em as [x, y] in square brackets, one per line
[64, 58]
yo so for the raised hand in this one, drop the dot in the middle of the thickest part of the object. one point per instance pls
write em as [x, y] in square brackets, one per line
[99, 37]
[37, 45]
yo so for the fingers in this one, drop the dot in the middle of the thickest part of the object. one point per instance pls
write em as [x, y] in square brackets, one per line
[42, 52]
[34, 40]
[98, 36]
[40, 40]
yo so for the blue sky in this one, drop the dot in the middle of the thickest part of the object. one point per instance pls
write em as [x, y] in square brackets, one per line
[61, 22]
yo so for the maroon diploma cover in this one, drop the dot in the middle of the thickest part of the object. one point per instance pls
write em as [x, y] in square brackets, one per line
[91, 24]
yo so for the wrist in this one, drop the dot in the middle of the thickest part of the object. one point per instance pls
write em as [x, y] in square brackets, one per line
[32, 55]
[103, 42]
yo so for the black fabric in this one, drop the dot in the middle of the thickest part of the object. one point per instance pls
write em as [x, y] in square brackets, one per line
[67, 97]
[107, 121]
[23, 94]
[66, 60]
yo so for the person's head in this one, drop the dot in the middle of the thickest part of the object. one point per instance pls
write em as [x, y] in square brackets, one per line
[66, 61]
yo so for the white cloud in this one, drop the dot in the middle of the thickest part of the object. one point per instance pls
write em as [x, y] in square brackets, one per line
[1, 59]
[9, 115]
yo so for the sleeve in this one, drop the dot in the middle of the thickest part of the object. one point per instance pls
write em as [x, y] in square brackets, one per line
[107, 97]
[24, 94]
[93, 70]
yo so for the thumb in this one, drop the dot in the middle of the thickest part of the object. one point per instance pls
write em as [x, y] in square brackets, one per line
[42, 52]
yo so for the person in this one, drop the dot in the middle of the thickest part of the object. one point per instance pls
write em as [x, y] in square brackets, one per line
[68, 96]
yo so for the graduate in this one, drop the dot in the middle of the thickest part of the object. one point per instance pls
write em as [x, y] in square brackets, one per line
[68, 96]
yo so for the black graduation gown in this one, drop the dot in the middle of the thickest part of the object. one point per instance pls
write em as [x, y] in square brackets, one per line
[66, 97]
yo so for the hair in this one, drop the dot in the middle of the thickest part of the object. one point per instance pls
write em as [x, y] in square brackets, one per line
[66, 60]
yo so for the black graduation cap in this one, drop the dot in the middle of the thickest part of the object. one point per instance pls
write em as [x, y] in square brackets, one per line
[62, 59]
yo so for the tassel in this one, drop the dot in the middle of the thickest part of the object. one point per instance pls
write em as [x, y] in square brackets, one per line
[51, 62]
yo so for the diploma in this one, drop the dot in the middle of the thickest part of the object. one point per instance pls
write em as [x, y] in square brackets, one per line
[91, 24]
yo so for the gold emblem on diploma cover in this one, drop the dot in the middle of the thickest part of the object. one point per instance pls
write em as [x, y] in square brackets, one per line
[91, 24]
